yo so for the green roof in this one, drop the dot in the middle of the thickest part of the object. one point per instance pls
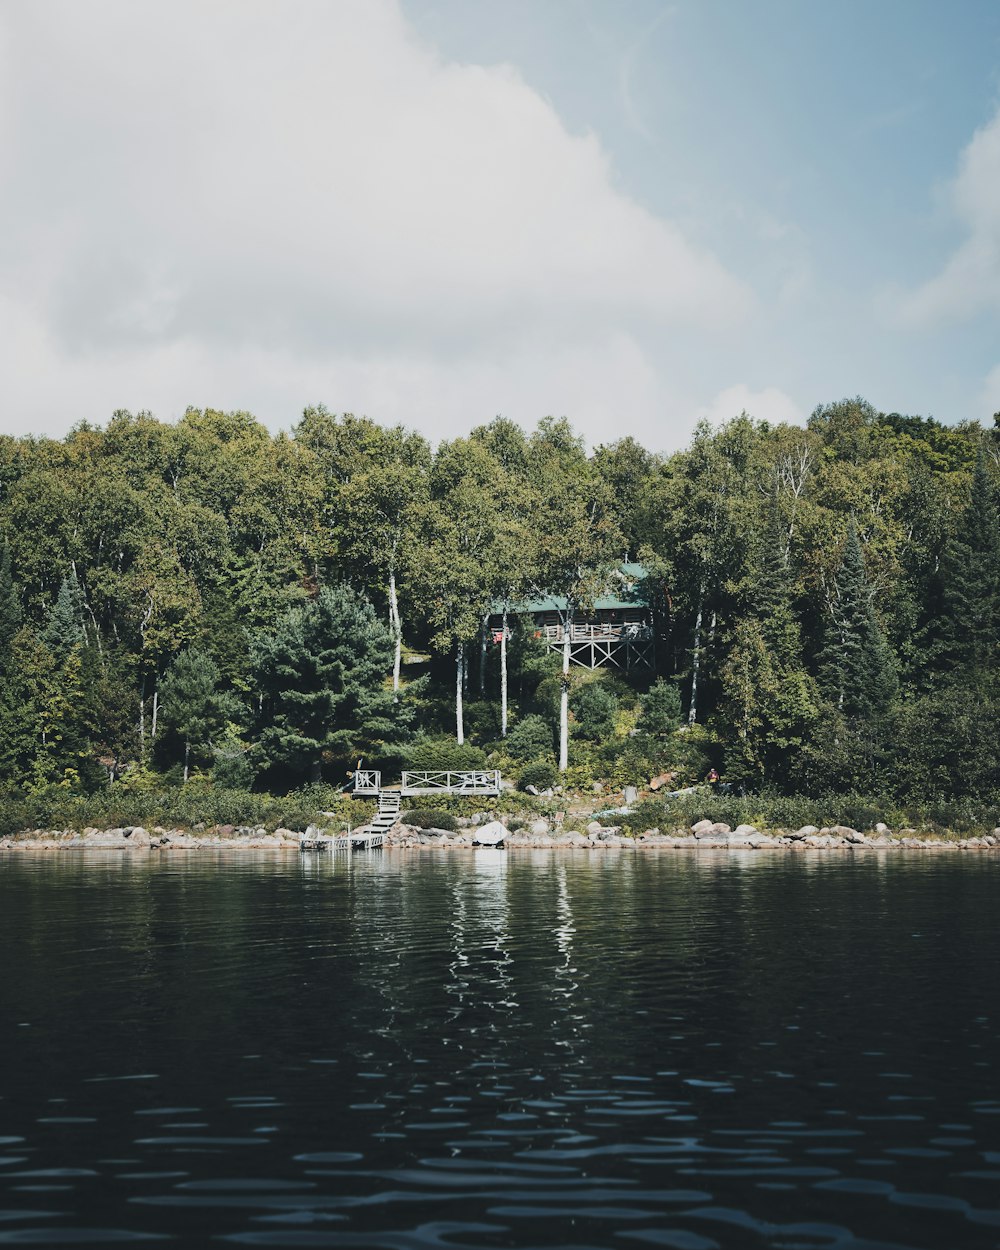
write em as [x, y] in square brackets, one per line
[627, 594]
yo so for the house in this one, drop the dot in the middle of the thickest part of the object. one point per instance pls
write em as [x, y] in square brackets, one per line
[617, 632]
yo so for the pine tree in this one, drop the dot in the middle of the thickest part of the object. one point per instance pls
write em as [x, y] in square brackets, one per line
[856, 666]
[660, 709]
[63, 630]
[10, 607]
[194, 707]
[965, 630]
[322, 681]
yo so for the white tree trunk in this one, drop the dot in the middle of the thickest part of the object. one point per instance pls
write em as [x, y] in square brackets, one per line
[482, 656]
[187, 756]
[564, 696]
[156, 711]
[459, 675]
[142, 721]
[695, 663]
[397, 634]
[503, 677]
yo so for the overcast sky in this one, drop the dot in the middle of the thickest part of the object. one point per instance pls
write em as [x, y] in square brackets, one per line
[628, 212]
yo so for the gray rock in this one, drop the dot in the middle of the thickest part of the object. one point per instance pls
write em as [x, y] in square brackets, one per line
[881, 827]
[849, 834]
[595, 826]
[702, 827]
[744, 831]
[720, 830]
[495, 833]
[805, 832]
[539, 826]
[139, 838]
[631, 794]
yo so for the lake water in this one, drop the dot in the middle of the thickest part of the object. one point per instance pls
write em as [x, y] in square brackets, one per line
[492, 1049]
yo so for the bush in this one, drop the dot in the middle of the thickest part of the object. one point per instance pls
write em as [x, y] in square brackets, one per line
[439, 754]
[530, 739]
[594, 708]
[540, 774]
[661, 709]
[430, 818]
[197, 803]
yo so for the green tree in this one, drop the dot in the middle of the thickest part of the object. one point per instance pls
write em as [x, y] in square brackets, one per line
[857, 668]
[660, 709]
[322, 682]
[10, 607]
[193, 705]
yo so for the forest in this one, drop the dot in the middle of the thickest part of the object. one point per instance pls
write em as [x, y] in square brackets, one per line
[206, 607]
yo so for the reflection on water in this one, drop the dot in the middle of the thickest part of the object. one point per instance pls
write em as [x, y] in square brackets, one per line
[497, 1049]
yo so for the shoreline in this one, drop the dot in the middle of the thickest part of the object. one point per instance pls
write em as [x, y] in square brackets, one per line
[702, 836]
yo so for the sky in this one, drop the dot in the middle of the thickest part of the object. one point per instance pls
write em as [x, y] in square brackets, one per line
[633, 213]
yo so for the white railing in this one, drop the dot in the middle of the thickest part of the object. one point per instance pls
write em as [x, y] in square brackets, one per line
[466, 781]
[598, 633]
[367, 781]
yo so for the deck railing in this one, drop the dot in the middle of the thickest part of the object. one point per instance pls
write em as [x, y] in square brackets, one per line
[467, 781]
[367, 781]
[598, 633]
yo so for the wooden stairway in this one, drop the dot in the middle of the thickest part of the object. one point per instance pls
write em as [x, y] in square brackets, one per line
[387, 814]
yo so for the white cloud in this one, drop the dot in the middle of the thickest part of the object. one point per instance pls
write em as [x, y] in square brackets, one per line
[768, 404]
[253, 205]
[989, 399]
[969, 283]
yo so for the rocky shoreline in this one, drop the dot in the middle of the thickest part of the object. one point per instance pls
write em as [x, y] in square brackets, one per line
[540, 834]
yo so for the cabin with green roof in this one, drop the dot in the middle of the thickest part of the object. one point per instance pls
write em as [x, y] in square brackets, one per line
[616, 633]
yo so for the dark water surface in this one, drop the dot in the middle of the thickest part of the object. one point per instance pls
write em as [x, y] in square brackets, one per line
[490, 1049]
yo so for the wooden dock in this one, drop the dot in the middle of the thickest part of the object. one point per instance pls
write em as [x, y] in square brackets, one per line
[368, 784]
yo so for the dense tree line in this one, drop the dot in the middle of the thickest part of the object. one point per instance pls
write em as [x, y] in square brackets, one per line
[204, 598]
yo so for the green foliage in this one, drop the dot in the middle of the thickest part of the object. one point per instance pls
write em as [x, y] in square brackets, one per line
[594, 708]
[531, 738]
[10, 607]
[194, 707]
[441, 754]
[660, 709]
[827, 602]
[540, 774]
[56, 807]
[430, 818]
[321, 677]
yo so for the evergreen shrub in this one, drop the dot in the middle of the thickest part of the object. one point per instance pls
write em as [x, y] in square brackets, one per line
[531, 738]
[430, 818]
[441, 754]
[540, 774]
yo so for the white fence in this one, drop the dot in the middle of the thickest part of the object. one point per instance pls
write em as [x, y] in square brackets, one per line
[468, 781]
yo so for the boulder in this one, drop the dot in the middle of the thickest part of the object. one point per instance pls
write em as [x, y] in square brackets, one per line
[595, 826]
[806, 831]
[495, 833]
[744, 831]
[881, 827]
[631, 794]
[721, 830]
[139, 838]
[539, 826]
[848, 834]
[703, 828]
